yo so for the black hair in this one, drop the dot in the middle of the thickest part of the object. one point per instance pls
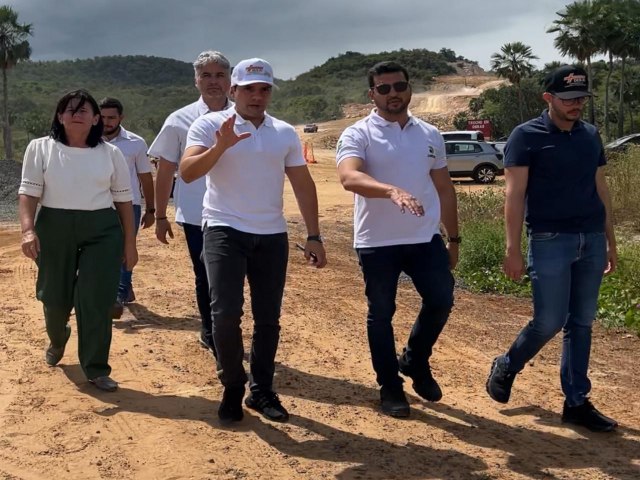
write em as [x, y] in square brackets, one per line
[110, 102]
[385, 67]
[57, 129]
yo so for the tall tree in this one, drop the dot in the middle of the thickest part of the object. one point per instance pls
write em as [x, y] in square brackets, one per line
[14, 47]
[514, 63]
[611, 41]
[577, 36]
[627, 45]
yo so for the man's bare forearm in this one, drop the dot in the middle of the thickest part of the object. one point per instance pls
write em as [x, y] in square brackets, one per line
[164, 184]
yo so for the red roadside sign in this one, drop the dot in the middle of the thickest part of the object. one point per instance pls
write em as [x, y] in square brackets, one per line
[483, 126]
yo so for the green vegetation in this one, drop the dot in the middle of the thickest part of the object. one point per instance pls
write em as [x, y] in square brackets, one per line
[514, 63]
[481, 253]
[150, 88]
[14, 48]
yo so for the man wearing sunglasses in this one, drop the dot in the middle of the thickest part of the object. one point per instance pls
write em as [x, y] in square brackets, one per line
[556, 184]
[396, 166]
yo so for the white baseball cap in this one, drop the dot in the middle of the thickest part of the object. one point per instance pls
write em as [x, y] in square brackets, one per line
[252, 70]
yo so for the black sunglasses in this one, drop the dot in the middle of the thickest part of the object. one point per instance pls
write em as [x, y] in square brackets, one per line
[384, 88]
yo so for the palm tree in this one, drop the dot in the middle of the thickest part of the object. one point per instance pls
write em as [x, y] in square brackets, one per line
[577, 36]
[615, 31]
[628, 45]
[14, 48]
[514, 63]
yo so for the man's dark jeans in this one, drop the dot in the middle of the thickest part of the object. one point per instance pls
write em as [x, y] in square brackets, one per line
[566, 271]
[231, 255]
[193, 235]
[427, 264]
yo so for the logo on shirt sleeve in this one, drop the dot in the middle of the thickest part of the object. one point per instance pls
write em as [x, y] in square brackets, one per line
[339, 146]
[432, 152]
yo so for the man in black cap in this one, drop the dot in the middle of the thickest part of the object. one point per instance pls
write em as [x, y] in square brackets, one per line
[556, 184]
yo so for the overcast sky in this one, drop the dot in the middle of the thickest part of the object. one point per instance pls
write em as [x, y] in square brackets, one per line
[293, 35]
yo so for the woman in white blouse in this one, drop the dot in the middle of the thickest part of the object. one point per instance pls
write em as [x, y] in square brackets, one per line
[82, 232]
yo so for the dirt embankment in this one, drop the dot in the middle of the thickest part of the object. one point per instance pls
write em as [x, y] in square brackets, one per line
[447, 96]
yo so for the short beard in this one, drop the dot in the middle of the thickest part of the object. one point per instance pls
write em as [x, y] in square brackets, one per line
[395, 110]
[113, 130]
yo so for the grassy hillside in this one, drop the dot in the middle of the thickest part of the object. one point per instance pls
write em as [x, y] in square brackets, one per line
[152, 87]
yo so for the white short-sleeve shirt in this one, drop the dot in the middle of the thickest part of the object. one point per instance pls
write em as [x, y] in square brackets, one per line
[245, 186]
[75, 178]
[134, 149]
[170, 145]
[403, 157]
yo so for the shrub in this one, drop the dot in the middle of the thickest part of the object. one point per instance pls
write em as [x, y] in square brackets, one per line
[619, 301]
[623, 178]
[481, 255]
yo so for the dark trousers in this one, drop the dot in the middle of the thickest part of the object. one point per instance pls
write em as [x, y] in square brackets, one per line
[126, 276]
[193, 234]
[79, 266]
[230, 256]
[427, 264]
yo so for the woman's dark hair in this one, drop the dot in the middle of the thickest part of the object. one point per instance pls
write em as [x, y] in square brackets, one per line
[57, 129]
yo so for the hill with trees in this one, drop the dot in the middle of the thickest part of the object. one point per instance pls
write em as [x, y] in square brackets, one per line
[152, 87]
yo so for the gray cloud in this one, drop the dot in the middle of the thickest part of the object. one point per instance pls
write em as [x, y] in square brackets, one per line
[293, 35]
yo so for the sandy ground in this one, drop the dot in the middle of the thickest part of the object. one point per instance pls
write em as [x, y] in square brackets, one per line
[162, 423]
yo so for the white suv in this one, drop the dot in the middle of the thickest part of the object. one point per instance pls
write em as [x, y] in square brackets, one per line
[478, 160]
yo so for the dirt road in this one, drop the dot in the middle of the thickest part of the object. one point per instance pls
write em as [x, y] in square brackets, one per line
[162, 423]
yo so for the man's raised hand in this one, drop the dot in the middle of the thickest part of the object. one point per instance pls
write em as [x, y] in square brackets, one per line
[226, 136]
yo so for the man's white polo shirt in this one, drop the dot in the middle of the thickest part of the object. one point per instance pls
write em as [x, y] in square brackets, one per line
[245, 187]
[134, 149]
[170, 145]
[398, 156]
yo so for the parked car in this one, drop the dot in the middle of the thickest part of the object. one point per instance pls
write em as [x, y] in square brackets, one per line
[310, 128]
[474, 135]
[478, 160]
[621, 144]
[499, 145]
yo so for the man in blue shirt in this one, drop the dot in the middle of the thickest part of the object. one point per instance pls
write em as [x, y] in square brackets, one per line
[556, 184]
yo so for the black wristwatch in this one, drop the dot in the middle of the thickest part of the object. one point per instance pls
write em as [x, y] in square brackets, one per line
[456, 239]
[314, 238]
[150, 210]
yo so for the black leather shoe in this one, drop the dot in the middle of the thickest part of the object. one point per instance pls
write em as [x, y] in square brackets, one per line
[423, 383]
[394, 402]
[208, 345]
[586, 415]
[104, 383]
[268, 404]
[54, 354]
[500, 380]
[230, 409]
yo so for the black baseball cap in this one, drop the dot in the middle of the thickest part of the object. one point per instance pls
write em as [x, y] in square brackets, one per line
[567, 82]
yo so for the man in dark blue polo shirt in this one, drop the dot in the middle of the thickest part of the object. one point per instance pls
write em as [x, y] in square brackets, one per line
[556, 184]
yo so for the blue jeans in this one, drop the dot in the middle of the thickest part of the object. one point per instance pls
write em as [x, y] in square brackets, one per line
[231, 255]
[126, 276]
[193, 235]
[427, 264]
[566, 271]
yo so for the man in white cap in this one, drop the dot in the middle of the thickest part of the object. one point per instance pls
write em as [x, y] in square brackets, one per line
[244, 154]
